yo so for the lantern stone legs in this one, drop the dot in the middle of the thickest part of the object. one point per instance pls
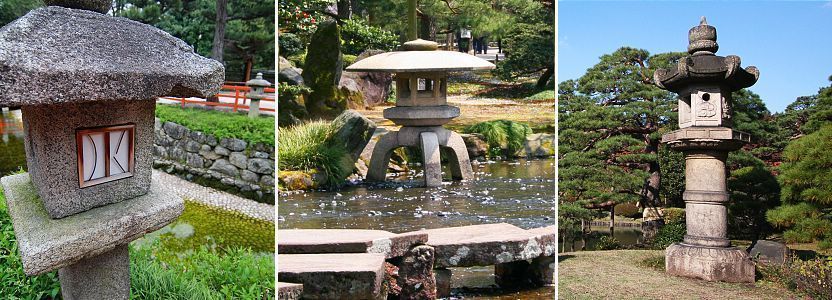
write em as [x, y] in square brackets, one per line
[429, 139]
[105, 276]
[706, 251]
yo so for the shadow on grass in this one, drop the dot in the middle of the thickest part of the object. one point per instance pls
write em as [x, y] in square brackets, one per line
[563, 257]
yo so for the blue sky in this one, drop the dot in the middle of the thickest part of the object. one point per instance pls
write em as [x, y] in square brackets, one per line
[790, 42]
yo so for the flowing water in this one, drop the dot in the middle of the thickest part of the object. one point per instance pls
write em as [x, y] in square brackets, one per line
[521, 193]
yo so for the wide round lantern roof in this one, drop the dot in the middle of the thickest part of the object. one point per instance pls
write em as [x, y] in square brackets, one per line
[420, 56]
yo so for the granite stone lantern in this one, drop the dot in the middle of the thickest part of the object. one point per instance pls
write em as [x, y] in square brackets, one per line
[704, 82]
[421, 76]
[257, 85]
[87, 85]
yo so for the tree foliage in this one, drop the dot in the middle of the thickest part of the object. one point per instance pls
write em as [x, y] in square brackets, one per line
[13, 9]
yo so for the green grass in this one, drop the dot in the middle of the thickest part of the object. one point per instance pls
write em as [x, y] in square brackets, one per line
[308, 147]
[220, 124]
[163, 271]
[504, 135]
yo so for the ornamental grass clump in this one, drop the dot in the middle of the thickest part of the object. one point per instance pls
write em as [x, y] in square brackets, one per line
[503, 136]
[309, 147]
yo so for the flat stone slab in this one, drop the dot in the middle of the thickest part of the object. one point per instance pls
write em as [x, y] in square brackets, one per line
[46, 244]
[334, 276]
[73, 55]
[311, 241]
[489, 244]
[289, 291]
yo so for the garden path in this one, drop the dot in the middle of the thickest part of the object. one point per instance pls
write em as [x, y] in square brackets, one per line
[216, 198]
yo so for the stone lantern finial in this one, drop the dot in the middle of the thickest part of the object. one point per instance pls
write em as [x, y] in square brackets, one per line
[101, 6]
[702, 39]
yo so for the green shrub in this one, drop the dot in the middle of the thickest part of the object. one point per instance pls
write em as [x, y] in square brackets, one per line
[203, 273]
[307, 147]
[811, 277]
[669, 234]
[289, 44]
[298, 59]
[608, 243]
[357, 36]
[507, 136]
[349, 59]
[14, 284]
[626, 210]
[674, 215]
[220, 124]
[292, 91]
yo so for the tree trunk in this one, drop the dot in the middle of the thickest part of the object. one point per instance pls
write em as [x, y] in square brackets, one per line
[218, 46]
[653, 183]
[427, 27]
[544, 79]
[344, 9]
[412, 25]
[612, 220]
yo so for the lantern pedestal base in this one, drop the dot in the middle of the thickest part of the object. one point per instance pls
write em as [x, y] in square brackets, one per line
[105, 276]
[429, 139]
[729, 264]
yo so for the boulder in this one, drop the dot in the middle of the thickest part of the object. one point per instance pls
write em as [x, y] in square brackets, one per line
[349, 90]
[540, 145]
[224, 167]
[476, 145]
[354, 131]
[288, 73]
[769, 252]
[322, 71]
[292, 110]
[375, 87]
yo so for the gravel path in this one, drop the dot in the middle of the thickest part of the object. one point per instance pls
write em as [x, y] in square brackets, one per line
[209, 196]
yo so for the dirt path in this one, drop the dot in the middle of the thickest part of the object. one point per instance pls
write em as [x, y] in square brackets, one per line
[619, 275]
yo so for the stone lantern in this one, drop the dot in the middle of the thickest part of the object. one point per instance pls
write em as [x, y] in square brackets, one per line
[421, 76]
[87, 85]
[704, 82]
[257, 85]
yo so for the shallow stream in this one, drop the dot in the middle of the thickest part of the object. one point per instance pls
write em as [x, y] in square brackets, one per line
[521, 193]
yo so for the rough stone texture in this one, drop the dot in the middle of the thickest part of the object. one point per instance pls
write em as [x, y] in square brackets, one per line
[350, 91]
[261, 166]
[105, 276]
[431, 163]
[421, 115]
[728, 264]
[289, 291]
[309, 241]
[375, 87]
[46, 244]
[540, 145]
[71, 55]
[459, 163]
[334, 276]
[101, 6]
[288, 73]
[215, 198]
[769, 252]
[476, 145]
[354, 131]
[416, 274]
[489, 244]
[233, 144]
[224, 167]
[542, 270]
[512, 275]
[52, 156]
[322, 71]
[443, 282]
[238, 159]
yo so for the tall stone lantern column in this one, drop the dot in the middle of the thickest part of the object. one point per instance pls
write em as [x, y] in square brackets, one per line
[704, 82]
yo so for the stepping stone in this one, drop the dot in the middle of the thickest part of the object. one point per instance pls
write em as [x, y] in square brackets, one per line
[309, 241]
[47, 244]
[334, 276]
[289, 291]
[488, 244]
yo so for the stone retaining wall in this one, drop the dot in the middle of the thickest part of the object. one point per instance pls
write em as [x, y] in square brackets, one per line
[228, 164]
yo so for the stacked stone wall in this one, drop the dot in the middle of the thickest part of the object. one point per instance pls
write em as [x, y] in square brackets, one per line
[228, 164]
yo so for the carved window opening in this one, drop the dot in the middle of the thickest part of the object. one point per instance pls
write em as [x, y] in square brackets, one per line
[105, 154]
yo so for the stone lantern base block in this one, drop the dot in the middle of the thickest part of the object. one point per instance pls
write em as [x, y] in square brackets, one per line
[106, 276]
[709, 263]
[47, 244]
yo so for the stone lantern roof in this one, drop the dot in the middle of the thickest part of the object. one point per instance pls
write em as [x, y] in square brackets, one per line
[62, 55]
[704, 67]
[420, 56]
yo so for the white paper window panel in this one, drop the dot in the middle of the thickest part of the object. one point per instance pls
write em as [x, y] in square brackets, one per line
[93, 156]
[119, 152]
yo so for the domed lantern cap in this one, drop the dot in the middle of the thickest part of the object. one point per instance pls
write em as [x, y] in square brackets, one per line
[420, 56]
[60, 55]
[704, 66]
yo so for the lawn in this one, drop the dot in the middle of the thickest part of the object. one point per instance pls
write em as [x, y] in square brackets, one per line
[220, 124]
[629, 274]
